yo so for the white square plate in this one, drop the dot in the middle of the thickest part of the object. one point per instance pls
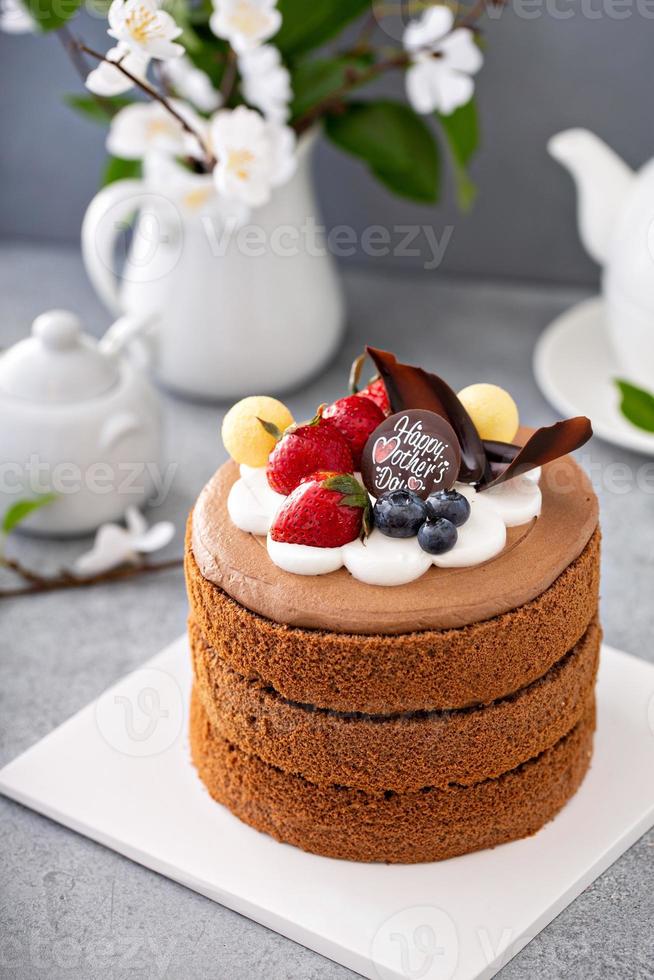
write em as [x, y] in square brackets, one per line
[119, 772]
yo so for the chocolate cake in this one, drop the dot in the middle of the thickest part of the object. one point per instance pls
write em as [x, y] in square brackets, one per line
[398, 722]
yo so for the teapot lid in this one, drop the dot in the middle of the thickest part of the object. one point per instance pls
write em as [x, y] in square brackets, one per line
[58, 364]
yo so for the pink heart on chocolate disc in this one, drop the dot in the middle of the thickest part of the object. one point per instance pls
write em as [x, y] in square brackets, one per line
[384, 448]
[414, 484]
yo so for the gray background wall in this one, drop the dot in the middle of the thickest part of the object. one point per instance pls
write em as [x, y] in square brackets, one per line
[543, 73]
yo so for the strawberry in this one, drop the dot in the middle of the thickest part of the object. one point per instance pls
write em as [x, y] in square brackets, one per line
[355, 418]
[326, 510]
[305, 449]
[375, 390]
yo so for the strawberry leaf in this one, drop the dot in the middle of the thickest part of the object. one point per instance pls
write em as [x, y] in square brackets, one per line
[310, 423]
[317, 418]
[367, 522]
[271, 429]
[355, 373]
[352, 500]
[354, 495]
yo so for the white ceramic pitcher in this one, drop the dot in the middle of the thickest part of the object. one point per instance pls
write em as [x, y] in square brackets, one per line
[255, 310]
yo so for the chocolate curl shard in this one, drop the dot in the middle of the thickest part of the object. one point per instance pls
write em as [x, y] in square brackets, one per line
[413, 387]
[545, 445]
[500, 452]
[498, 456]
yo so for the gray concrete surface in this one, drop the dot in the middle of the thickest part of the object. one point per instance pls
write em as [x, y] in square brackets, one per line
[70, 908]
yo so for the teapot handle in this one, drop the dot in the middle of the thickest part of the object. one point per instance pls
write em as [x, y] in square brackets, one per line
[99, 235]
[116, 427]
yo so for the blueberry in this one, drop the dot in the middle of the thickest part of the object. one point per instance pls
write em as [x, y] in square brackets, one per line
[437, 535]
[450, 504]
[399, 514]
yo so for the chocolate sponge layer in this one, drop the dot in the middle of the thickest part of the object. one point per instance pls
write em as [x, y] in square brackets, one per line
[428, 825]
[398, 752]
[385, 674]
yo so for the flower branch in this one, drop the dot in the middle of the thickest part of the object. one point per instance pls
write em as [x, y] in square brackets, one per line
[153, 94]
[353, 80]
[36, 583]
[229, 77]
[395, 60]
[71, 48]
[117, 551]
[476, 12]
[225, 136]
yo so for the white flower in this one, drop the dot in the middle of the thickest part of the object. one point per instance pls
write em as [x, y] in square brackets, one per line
[168, 177]
[193, 84]
[245, 23]
[143, 27]
[145, 126]
[107, 80]
[253, 155]
[266, 82]
[115, 545]
[442, 62]
[15, 19]
[195, 193]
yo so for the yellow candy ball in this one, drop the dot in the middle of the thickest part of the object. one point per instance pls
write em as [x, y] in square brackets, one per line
[244, 437]
[492, 410]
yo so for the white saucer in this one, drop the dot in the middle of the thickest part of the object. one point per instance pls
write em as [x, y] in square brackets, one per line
[119, 772]
[575, 369]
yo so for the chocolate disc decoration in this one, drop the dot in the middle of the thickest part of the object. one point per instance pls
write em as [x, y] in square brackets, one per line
[413, 450]
[413, 387]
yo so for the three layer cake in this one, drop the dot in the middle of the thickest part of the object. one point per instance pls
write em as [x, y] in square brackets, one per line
[395, 696]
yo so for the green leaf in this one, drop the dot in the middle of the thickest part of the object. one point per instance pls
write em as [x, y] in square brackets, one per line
[466, 189]
[395, 143]
[180, 12]
[316, 80]
[461, 128]
[207, 52]
[461, 131]
[22, 509]
[97, 9]
[272, 429]
[637, 405]
[119, 169]
[355, 372]
[52, 14]
[100, 109]
[354, 495]
[200, 13]
[307, 24]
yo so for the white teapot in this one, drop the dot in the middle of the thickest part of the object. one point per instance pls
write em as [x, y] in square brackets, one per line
[80, 422]
[616, 225]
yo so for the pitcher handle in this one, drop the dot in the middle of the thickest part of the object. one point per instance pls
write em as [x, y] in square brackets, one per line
[99, 236]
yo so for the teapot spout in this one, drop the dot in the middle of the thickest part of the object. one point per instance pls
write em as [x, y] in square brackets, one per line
[603, 182]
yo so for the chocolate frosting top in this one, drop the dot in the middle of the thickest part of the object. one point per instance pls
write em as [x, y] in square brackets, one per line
[535, 555]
